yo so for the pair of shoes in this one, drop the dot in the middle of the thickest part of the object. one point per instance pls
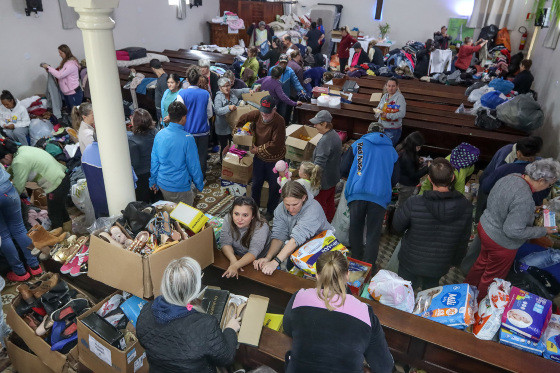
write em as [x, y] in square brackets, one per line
[12, 276]
[45, 283]
[42, 238]
[76, 265]
[67, 253]
[64, 244]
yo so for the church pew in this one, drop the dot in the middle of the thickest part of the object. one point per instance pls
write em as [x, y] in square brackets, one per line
[192, 56]
[414, 340]
[420, 84]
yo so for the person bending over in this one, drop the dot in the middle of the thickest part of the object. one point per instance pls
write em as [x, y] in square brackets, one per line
[466, 52]
[245, 233]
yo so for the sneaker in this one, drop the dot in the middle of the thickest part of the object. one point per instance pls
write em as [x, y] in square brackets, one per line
[71, 309]
[215, 149]
[80, 266]
[11, 276]
[112, 304]
[67, 267]
[35, 271]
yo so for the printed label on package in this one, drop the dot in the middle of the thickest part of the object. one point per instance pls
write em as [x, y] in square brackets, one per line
[131, 355]
[139, 363]
[99, 350]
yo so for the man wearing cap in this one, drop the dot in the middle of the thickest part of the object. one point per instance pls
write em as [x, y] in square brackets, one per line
[360, 56]
[371, 174]
[327, 156]
[269, 131]
[290, 85]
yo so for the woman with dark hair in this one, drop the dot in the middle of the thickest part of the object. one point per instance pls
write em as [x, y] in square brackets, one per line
[14, 118]
[273, 53]
[83, 122]
[244, 233]
[68, 76]
[170, 95]
[27, 161]
[346, 42]
[423, 59]
[250, 68]
[140, 143]
[332, 331]
[297, 219]
[391, 110]
[441, 38]
[409, 163]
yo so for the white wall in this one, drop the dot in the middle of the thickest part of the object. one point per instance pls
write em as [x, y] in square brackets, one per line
[28, 41]
[409, 19]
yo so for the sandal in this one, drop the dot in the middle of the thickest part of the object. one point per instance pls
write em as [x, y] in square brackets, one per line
[117, 234]
[140, 241]
[108, 238]
[180, 229]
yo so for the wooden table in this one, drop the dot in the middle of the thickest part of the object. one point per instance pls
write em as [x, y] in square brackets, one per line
[414, 340]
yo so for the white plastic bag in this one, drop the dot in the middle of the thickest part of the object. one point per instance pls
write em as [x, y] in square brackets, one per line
[488, 318]
[80, 196]
[390, 289]
[477, 94]
[39, 128]
[341, 220]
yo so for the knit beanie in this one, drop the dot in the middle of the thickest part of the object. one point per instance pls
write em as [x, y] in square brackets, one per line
[464, 155]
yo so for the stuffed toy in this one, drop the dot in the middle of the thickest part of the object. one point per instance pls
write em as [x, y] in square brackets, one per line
[284, 174]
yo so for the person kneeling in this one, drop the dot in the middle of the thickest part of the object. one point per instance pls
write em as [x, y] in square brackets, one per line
[245, 233]
[425, 257]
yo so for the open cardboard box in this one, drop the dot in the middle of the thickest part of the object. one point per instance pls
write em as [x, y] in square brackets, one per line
[56, 361]
[99, 356]
[243, 140]
[239, 170]
[252, 320]
[297, 149]
[366, 278]
[21, 357]
[233, 117]
[141, 275]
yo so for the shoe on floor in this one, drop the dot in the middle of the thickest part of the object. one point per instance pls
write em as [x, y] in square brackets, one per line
[11, 276]
[71, 309]
[35, 271]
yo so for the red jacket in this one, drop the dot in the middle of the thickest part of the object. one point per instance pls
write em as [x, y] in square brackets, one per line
[465, 54]
[344, 46]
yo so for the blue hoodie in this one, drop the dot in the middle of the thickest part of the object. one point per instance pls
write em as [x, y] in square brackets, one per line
[165, 312]
[370, 175]
[175, 160]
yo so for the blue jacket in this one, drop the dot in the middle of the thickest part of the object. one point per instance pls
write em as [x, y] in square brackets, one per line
[288, 79]
[175, 161]
[370, 175]
[497, 160]
[196, 101]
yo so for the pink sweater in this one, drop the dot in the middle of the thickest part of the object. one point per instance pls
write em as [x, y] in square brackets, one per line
[68, 77]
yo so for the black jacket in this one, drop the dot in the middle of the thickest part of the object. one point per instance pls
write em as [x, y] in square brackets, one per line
[364, 58]
[377, 57]
[422, 63]
[214, 84]
[273, 55]
[523, 81]
[190, 344]
[410, 173]
[437, 228]
[441, 42]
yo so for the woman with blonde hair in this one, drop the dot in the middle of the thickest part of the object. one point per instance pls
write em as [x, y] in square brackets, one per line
[332, 331]
[176, 333]
[83, 122]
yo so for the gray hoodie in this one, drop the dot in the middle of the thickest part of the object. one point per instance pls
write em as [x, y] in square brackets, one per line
[306, 224]
[394, 120]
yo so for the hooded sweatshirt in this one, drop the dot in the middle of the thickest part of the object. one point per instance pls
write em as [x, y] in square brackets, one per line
[17, 116]
[447, 213]
[177, 339]
[68, 77]
[370, 175]
[394, 109]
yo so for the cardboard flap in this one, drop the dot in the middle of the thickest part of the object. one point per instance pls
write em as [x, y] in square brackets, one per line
[315, 139]
[247, 160]
[23, 361]
[296, 143]
[376, 97]
[130, 280]
[292, 128]
[254, 97]
[253, 320]
[196, 247]
[243, 140]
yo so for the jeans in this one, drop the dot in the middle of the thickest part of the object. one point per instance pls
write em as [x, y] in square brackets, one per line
[362, 213]
[202, 146]
[424, 282]
[263, 171]
[394, 134]
[56, 203]
[542, 259]
[12, 228]
[18, 134]
[75, 99]
[285, 111]
[481, 202]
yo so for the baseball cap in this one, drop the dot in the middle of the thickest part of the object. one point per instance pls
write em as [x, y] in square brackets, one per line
[375, 127]
[322, 116]
[283, 58]
[268, 103]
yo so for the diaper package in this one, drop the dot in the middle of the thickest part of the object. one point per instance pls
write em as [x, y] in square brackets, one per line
[551, 339]
[513, 340]
[388, 288]
[488, 318]
[526, 314]
[451, 305]
[306, 256]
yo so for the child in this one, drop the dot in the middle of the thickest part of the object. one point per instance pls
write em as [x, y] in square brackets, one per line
[244, 233]
[310, 177]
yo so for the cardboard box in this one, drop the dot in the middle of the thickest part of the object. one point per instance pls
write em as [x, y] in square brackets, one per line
[239, 170]
[255, 98]
[141, 275]
[297, 149]
[243, 140]
[99, 356]
[54, 360]
[336, 34]
[189, 216]
[366, 279]
[21, 357]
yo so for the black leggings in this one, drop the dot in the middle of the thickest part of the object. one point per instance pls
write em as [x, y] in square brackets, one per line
[224, 141]
[56, 203]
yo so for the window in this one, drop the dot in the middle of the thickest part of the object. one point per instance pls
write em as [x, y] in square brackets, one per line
[378, 11]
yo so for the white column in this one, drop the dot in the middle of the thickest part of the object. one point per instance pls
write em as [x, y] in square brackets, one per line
[97, 31]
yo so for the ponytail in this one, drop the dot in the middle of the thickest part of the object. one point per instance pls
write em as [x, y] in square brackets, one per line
[315, 172]
[78, 112]
[332, 268]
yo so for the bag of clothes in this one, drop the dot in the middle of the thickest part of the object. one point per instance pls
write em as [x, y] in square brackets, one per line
[521, 112]
[488, 318]
[389, 289]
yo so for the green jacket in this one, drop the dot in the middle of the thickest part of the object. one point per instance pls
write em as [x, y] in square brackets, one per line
[461, 176]
[253, 64]
[34, 164]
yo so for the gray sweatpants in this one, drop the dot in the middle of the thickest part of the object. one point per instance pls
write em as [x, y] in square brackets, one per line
[18, 134]
[185, 197]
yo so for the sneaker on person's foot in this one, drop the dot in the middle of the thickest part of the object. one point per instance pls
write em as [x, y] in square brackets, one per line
[215, 149]
[12, 276]
[35, 271]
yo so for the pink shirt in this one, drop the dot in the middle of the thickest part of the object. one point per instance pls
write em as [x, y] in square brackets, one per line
[68, 77]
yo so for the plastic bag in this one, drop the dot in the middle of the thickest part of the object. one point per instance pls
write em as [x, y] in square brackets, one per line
[521, 112]
[551, 339]
[341, 220]
[81, 199]
[492, 99]
[485, 120]
[488, 318]
[476, 94]
[451, 305]
[501, 85]
[305, 257]
[391, 290]
[39, 128]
